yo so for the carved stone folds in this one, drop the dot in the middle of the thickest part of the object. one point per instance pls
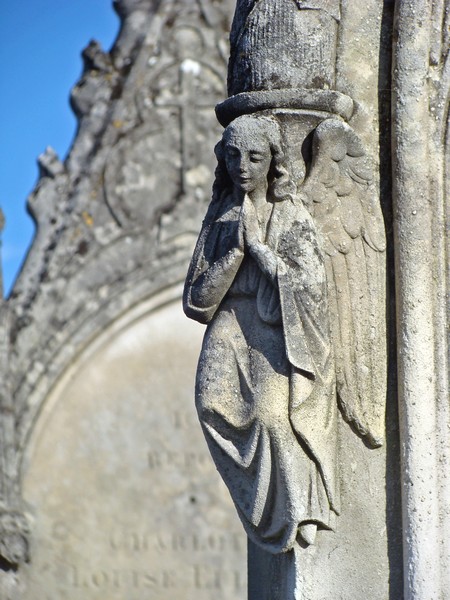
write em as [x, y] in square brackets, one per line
[290, 266]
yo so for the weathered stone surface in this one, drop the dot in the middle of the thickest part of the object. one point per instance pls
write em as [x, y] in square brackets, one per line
[122, 496]
[274, 269]
[283, 44]
[109, 232]
[421, 156]
[289, 274]
[116, 223]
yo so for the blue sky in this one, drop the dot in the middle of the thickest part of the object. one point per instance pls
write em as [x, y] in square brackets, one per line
[40, 56]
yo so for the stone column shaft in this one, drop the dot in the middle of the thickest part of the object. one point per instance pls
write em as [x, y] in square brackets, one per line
[416, 204]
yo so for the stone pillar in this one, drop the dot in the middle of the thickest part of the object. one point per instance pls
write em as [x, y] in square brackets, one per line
[420, 153]
[313, 70]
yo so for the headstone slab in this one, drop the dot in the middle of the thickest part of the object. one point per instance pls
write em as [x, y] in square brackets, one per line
[115, 225]
[123, 497]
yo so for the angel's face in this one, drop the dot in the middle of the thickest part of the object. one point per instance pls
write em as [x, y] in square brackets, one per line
[248, 158]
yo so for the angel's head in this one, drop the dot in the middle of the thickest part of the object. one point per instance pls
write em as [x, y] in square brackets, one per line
[250, 158]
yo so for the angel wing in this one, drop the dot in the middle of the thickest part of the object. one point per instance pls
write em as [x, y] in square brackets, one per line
[347, 214]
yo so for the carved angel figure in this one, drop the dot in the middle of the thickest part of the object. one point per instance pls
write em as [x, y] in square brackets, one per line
[266, 382]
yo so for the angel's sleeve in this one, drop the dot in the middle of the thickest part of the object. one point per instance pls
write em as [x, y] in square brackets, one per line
[303, 296]
[212, 269]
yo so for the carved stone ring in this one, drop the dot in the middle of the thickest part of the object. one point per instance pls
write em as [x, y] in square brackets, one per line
[246, 103]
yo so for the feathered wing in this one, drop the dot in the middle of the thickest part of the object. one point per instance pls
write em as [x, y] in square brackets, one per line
[347, 214]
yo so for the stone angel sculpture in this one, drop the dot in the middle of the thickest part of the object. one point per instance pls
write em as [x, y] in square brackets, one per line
[267, 276]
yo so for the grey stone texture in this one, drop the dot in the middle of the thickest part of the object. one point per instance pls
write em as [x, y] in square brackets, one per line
[289, 274]
[105, 478]
[106, 486]
[292, 286]
[124, 499]
[421, 154]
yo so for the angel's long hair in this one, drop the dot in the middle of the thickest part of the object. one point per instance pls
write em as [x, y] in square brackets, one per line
[281, 186]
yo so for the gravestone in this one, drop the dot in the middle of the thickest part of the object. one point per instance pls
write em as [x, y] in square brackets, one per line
[123, 497]
[108, 490]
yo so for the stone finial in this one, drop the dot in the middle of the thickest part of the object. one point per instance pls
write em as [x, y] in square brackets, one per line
[49, 163]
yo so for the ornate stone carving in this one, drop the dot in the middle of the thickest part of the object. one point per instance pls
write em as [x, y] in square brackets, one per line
[310, 85]
[258, 277]
[14, 530]
[288, 273]
[181, 88]
[100, 248]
